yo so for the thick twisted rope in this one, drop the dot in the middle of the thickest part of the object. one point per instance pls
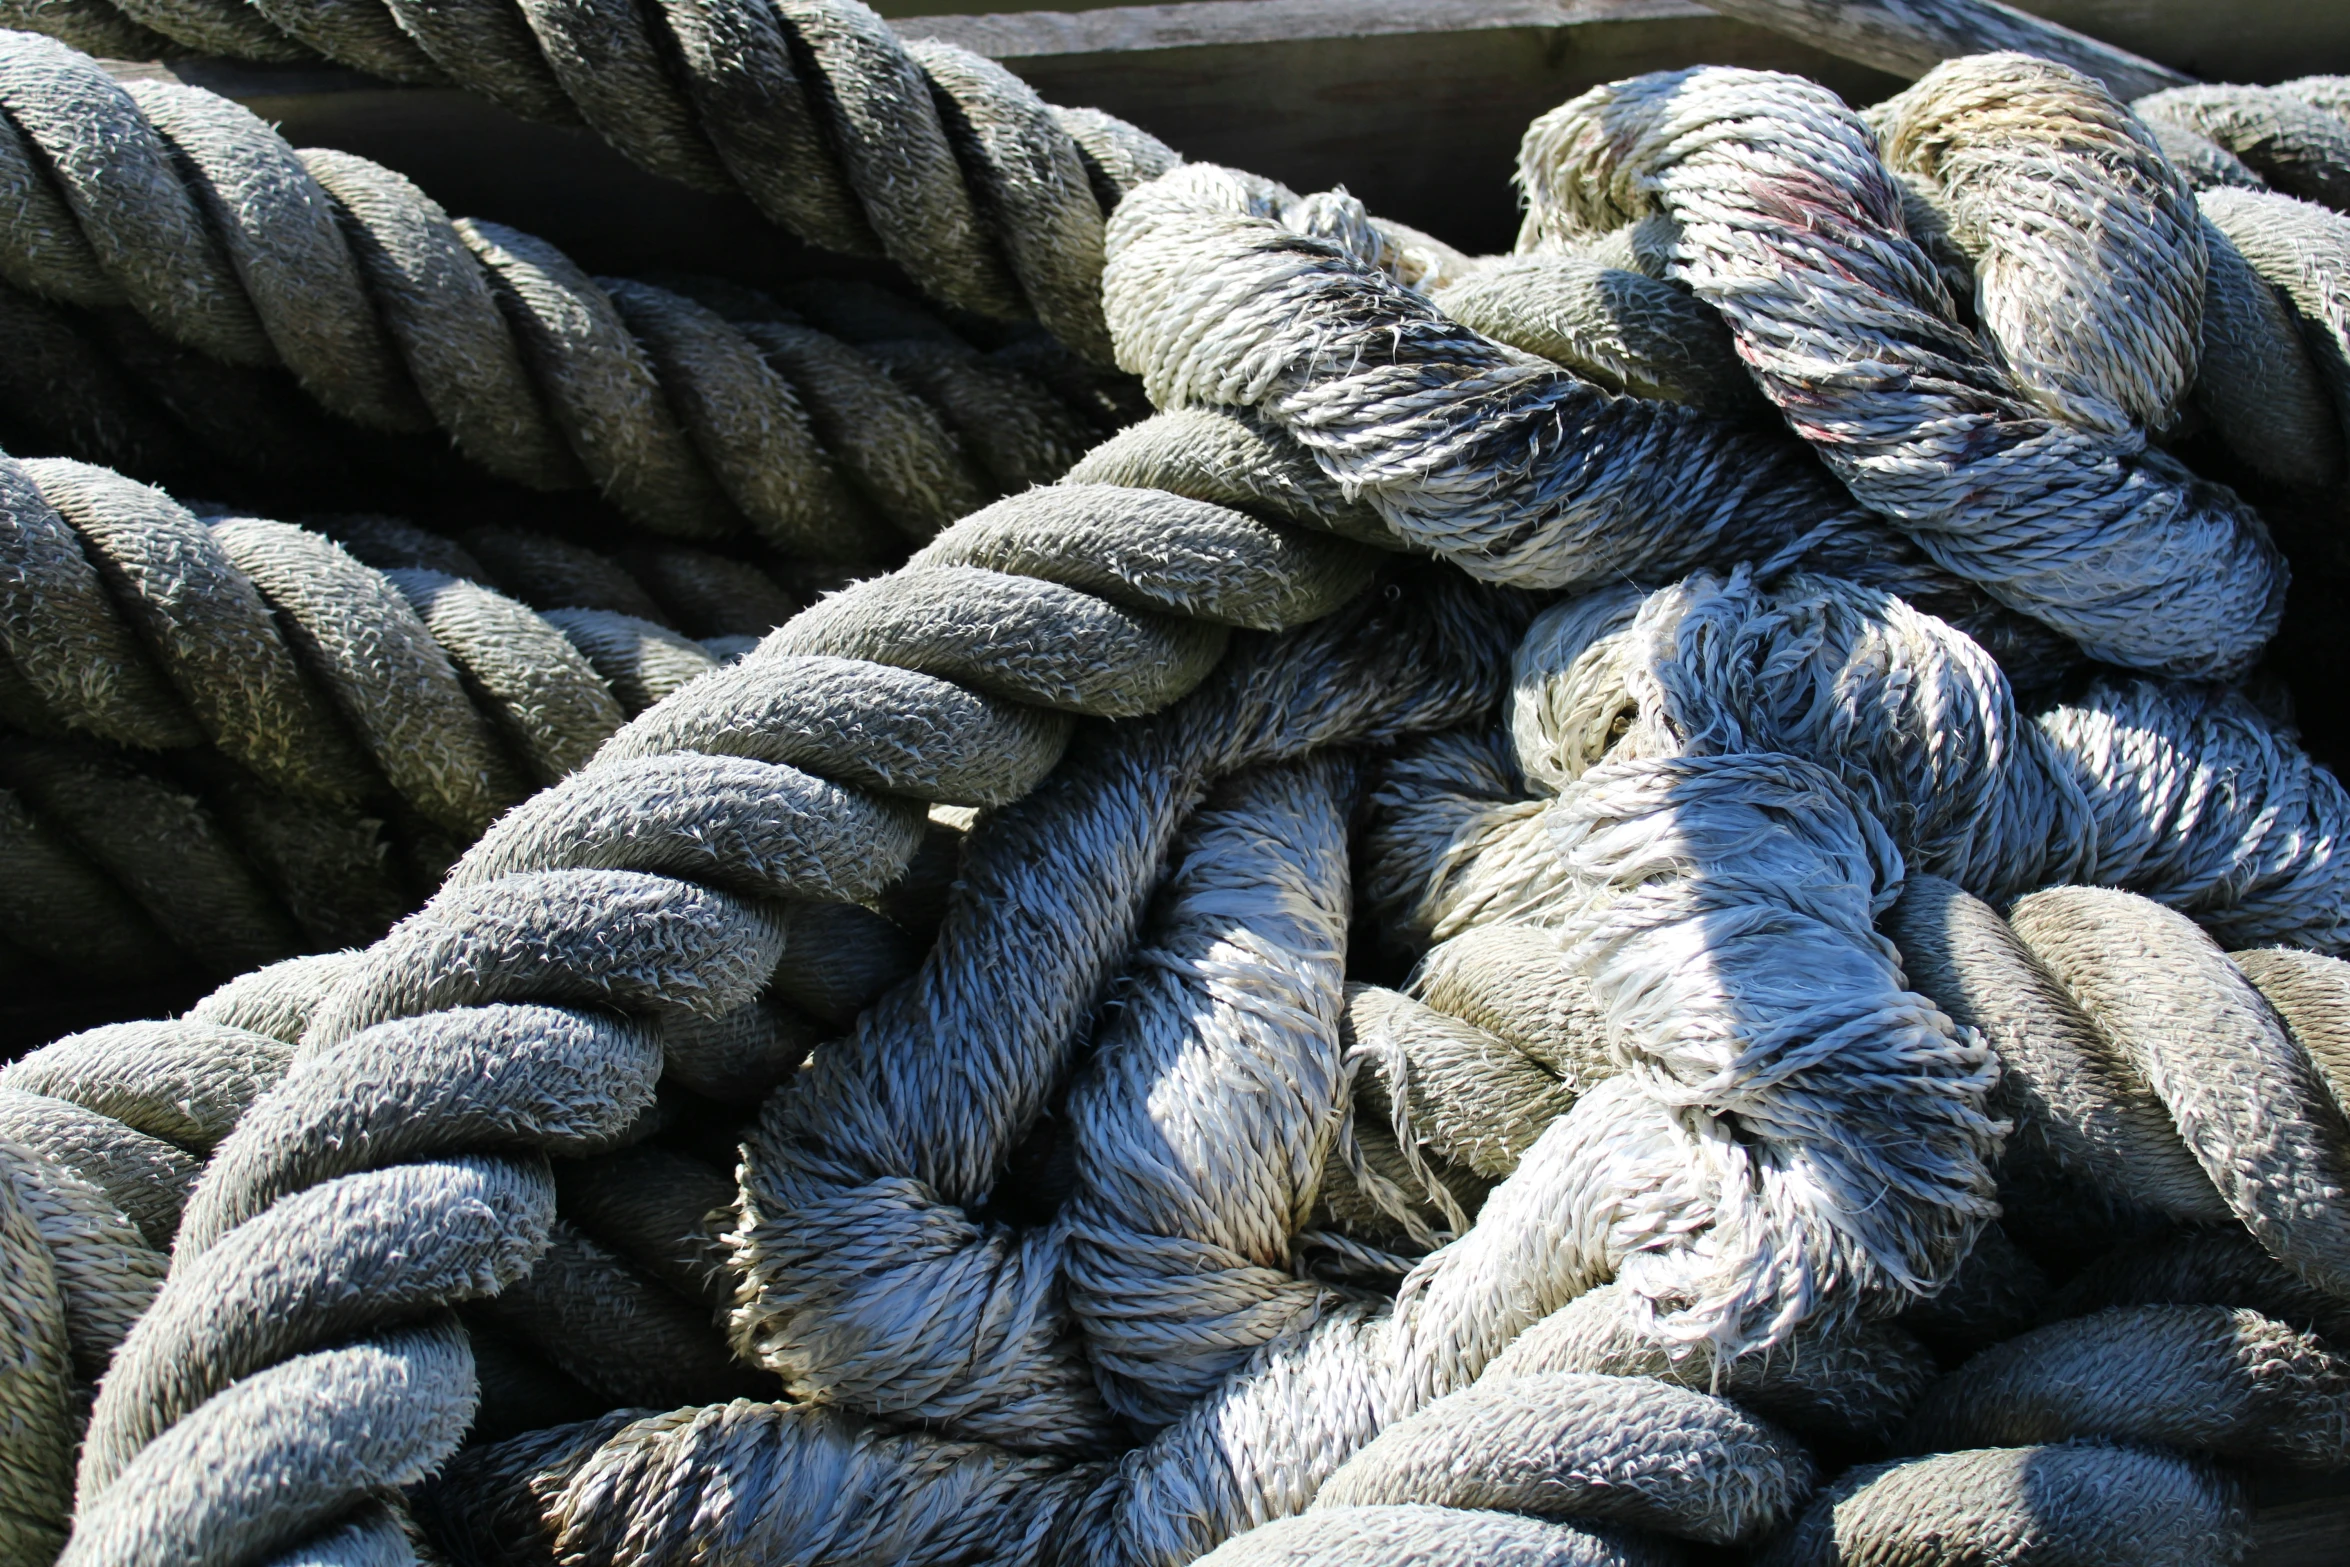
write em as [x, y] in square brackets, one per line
[1647, 737]
[101, 1136]
[222, 238]
[2078, 526]
[902, 728]
[494, 943]
[944, 162]
[297, 689]
[1238, 961]
[2182, 792]
[2188, 1095]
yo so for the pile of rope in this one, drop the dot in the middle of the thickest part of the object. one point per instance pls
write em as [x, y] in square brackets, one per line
[1548, 920]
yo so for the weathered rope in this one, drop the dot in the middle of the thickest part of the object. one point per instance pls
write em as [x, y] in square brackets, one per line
[2079, 526]
[2140, 1060]
[989, 198]
[902, 729]
[2291, 143]
[1651, 714]
[255, 692]
[668, 884]
[1234, 960]
[101, 1136]
[2182, 792]
[183, 206]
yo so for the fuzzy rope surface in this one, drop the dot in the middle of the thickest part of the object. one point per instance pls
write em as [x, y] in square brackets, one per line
[1852, 335]
[221, 237]
[944, 162]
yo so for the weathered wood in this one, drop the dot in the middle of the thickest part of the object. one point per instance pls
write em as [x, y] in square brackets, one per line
[1910, 37]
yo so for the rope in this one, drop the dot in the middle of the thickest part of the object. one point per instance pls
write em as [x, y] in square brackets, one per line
[987, 197]
[1663, 725]
[2185, 793]
[2293, 144]
[101, 1136]
[2079, 527]
[798, 700]
[1741, 1133]
[220, 237]
[255, 692]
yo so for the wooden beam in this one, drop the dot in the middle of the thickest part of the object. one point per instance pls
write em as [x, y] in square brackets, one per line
[1121, 29]
[1910, 37]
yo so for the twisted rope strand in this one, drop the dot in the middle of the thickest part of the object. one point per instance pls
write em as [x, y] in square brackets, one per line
[2079, 528]
[989, 198]
[397, 319]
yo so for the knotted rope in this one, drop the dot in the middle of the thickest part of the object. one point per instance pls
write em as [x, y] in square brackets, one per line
[1721, 810]
[808, 696]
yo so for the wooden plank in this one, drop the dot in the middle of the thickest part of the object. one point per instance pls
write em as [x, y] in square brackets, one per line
[1019, 35]
[1414, 105]
[1910, 37]
[2217, 40]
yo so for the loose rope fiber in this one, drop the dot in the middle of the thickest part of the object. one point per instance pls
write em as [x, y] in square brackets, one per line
[897, 734]
[987, 197]
[220, 238]
[1660, 725]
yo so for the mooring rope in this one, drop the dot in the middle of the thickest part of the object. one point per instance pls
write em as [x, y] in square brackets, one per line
[2084, 528]
[254, 690]
[947, 164]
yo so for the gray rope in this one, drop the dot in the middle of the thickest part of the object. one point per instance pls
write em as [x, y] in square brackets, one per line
[1619, 329]
[569, 904]
[649, 934]
[2181, 792]
[2062, 1502]
[2187, 1379]
[825, 1153]
[1566, 1444]
[397, 319]
[989, 198]
[2292, 144]
[295, 688]
[1601, 708]
[1436, 1537]
[2081, 529]
[101, 1135]
[1511, 466]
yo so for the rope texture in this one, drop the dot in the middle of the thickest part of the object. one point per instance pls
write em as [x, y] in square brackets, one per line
[1709, 802]
[1851, 333]
[987, 197]
[235, 740]
[176, 213]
